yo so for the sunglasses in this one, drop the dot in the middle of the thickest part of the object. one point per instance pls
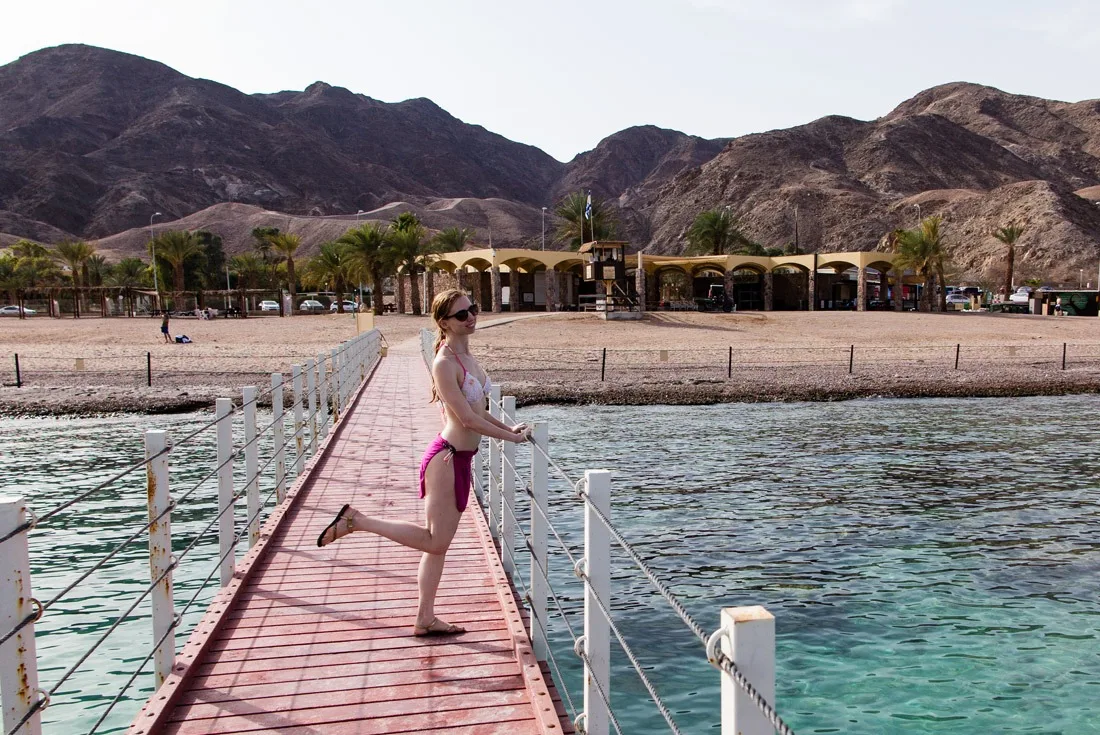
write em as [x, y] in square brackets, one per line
[464, 314]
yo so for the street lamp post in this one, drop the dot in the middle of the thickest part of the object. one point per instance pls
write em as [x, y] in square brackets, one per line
[153, 245]
[357, 217]
[544, 228]
[918, 214]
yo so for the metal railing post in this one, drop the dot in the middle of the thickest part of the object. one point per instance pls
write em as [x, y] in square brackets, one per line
[311, 390]
[322, 397]
[597, 630]
[18, 654]
[540, 592]
[336, 387]
[278, 418]
[508, 494]
[224, 414]
[494, 465]
[251, 465]
[299, 420]
[160, 552]
[749, 642]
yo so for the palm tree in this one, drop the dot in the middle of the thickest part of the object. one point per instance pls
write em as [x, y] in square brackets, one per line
[12, 281]
[922, 250]
[176, 247]
[250, 270]
[285, 245]
[74, 254]
[454, 239]
[405, 221]
[1009, 235]
[716, 232]
[128, 274]
[368, 258]
[574, 230]
[329, 269]
[410, 249]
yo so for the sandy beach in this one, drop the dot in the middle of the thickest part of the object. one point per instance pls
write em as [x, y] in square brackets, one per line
[94, 365]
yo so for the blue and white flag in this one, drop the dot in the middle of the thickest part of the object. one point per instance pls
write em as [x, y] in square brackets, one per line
[588, 207]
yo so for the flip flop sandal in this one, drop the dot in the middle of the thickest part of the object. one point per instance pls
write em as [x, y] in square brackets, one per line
[428, 630]
[332, 527]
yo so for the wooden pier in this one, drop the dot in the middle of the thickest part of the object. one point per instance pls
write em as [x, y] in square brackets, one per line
[309, 640]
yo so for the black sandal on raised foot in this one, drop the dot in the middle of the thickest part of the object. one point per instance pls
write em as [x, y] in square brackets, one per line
[332, 527]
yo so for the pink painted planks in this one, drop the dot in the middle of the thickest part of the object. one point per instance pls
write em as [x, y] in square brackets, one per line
[315, 640]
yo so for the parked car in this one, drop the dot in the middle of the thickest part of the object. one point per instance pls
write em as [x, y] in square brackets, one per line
[348, 306]
[14, 311]
[957, 297]
[269, 306]
[311, 305]
[1023, 293]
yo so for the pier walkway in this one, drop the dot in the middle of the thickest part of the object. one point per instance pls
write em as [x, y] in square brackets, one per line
[309, 640]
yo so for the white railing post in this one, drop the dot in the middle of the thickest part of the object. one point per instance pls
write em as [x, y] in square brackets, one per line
[160, 552]
[494, 466]
[322, 397]
[311, 389]
[225, 489]
[479, 465]
[597, 631]
[508, 493]
[749, 641]
[540, 592]
[299, 418]
[279, 419]
[251, 465]
[337, 397]
[18, 654]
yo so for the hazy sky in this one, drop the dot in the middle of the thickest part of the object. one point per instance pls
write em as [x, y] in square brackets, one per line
[564, 75]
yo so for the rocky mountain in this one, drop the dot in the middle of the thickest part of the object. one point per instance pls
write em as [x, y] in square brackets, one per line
[979, 157]
[92, 142]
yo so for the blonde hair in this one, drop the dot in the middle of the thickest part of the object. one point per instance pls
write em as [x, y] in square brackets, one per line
[441, 308]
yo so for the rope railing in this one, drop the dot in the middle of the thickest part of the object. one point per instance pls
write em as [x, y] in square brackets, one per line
[328, 397]
[716, 657]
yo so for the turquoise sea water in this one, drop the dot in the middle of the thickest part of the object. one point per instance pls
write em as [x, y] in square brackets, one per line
[932, 564]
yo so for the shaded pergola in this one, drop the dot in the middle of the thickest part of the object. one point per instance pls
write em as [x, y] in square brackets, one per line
[551, 279]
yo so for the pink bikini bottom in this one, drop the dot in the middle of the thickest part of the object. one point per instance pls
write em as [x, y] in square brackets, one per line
[462, 463]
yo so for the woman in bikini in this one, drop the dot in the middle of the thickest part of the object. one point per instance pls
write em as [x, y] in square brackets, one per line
[462, 386]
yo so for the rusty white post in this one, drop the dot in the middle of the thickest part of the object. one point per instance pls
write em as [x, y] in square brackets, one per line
[749, 642]
[540, 592]
[251, 465]
[278, 418]
[597, 630]
[508, 493]
[224, 412]
[311, 389]
[322, 397]
[494, 466]
[18, 655]
[336, 387]
[299, 421]
[160, 552]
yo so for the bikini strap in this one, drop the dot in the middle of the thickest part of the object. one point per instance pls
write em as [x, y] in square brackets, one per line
[465, 372]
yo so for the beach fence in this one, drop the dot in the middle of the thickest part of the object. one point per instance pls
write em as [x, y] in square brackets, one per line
[323, 389]
[742, 648]
[728, 361]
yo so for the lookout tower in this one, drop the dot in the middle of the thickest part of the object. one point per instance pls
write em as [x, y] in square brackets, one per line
[605, 261]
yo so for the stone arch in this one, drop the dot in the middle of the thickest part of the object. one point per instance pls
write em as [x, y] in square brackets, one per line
[674, 287]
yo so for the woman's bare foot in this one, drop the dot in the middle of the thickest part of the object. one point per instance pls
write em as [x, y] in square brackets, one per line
[437, 627]
[341, 526]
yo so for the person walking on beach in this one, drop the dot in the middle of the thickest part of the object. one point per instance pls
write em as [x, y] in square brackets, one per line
[461, 385]
[164, 327]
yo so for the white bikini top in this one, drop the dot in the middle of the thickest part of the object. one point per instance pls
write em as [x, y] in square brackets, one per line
[474, 391]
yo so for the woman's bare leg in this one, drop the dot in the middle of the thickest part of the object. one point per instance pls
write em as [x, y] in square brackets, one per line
[433, 539]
